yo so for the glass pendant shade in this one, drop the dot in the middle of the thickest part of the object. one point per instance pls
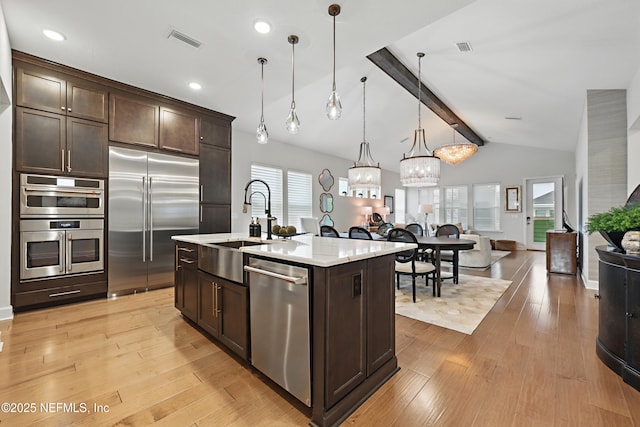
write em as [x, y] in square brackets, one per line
[293, 122]
[262, 135]
[453, 154]
[334, 106]
[365, 174]
[418, 169]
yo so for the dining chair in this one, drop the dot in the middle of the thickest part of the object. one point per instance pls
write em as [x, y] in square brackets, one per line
[328, 231]
[384, 228]
[453, 232]
[407, 261]
[361, 233]
[415, 228]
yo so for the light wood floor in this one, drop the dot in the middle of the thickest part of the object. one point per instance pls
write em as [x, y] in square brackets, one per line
[531, 362]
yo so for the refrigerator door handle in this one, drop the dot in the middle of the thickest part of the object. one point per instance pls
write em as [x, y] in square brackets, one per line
[144, 219]
[150, 198]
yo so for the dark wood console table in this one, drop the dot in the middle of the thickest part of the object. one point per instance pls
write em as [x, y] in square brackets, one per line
[618, 341]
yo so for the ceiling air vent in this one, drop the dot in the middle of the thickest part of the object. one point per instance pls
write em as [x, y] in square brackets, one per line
[464, 46]
[184, 38]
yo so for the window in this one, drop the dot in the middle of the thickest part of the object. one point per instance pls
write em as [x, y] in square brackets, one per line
[455, 205]
[298, 197]
[486, 207]
[431, 196]
[273, 177]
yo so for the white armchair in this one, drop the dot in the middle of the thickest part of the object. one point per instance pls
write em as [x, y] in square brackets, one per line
[479, 256]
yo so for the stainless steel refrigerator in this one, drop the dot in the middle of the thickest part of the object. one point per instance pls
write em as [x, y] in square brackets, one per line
[151, 198]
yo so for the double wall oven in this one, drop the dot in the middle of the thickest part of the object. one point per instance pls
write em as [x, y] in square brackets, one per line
[61, 226]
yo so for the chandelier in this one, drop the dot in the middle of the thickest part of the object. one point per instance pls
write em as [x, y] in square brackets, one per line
[453, 154]
[365, 174]
[418, 169]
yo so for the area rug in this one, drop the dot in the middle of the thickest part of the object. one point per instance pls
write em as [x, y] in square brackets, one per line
[461, 307]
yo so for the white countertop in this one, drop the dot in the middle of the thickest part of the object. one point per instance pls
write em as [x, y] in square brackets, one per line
[306, 249]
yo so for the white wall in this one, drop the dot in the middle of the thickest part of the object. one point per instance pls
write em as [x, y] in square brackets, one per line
[246, 150]
[633, 137]
[507, 165]
[6, 124]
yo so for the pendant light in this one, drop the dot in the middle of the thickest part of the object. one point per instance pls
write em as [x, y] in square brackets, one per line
[455, 153]
[419, 169]
[293, 123]
[334, 106]
[261, 133]
[365, 174]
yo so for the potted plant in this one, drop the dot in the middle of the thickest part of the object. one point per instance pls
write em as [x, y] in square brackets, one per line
[615, 222]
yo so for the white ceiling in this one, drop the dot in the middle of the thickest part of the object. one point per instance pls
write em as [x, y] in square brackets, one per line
[530, 59]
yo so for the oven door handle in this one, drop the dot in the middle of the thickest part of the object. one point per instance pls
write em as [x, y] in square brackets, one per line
[65, 192]
[61, 238]
[69, 249]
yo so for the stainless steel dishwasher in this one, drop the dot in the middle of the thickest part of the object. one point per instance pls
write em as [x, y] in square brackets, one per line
[279, 318]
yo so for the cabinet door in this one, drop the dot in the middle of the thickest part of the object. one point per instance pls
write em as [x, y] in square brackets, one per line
[208, 315]
[612, 318]
[87, 148]
[215, 175]
[189, 281]
[40, 141]
[234, 330]
[380, 312]
[215, 218]
[87, 100]
[345, 359]
[633, 317]
[178, 131]
[133, 120]
[40, 89]
[214, 131]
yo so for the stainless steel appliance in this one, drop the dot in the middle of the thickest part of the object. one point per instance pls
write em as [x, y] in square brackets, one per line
[151, 198]
[43, 196]
[58, 247]
[279, 316]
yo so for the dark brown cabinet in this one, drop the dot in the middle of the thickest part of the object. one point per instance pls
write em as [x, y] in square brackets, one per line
[223, 312]
[215, 218]
[186, 280]
[214, 131]
[618, 341]
[133, 120]
[215, 175]
[178, 131]
[47, 90]
[54, 144]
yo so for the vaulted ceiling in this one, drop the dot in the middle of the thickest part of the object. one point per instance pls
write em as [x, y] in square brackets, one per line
[523, 82]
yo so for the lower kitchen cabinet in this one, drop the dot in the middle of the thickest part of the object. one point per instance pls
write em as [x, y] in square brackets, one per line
[223, 312]
[186, 280]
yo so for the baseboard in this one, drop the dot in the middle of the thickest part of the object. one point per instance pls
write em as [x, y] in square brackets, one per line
[6, 313]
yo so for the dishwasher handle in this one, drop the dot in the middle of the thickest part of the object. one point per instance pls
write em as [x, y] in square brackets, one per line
[293, 280]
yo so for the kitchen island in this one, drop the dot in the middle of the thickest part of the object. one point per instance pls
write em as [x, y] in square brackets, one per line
[350, 311]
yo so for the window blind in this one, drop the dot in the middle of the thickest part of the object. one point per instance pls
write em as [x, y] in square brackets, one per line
[273, 177]
[299, 197]
[486, 207]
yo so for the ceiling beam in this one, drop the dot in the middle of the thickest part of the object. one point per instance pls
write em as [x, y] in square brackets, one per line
[388, 63]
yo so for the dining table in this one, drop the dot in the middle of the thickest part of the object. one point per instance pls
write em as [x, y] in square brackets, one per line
[437, 245]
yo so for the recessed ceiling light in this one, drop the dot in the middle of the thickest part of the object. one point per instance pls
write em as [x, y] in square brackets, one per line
[195, 86]
[262, 26]
[53, 35]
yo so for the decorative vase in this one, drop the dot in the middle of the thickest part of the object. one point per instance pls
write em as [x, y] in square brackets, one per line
[614, 238]
[631, 242]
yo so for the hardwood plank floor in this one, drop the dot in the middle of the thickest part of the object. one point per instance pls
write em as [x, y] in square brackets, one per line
[530, 362]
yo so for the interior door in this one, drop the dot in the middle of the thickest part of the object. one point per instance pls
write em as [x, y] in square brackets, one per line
[543, 208]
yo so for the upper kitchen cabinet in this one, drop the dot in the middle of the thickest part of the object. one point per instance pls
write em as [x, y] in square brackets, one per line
[47, 90]
[214, 131]
[57, 145]
[178, 130]
[133, 120]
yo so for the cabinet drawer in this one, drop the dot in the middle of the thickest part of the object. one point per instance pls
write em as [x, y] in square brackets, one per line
[60, 294]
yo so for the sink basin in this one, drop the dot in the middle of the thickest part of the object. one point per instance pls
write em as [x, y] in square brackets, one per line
[239, 243]
[224, 259]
